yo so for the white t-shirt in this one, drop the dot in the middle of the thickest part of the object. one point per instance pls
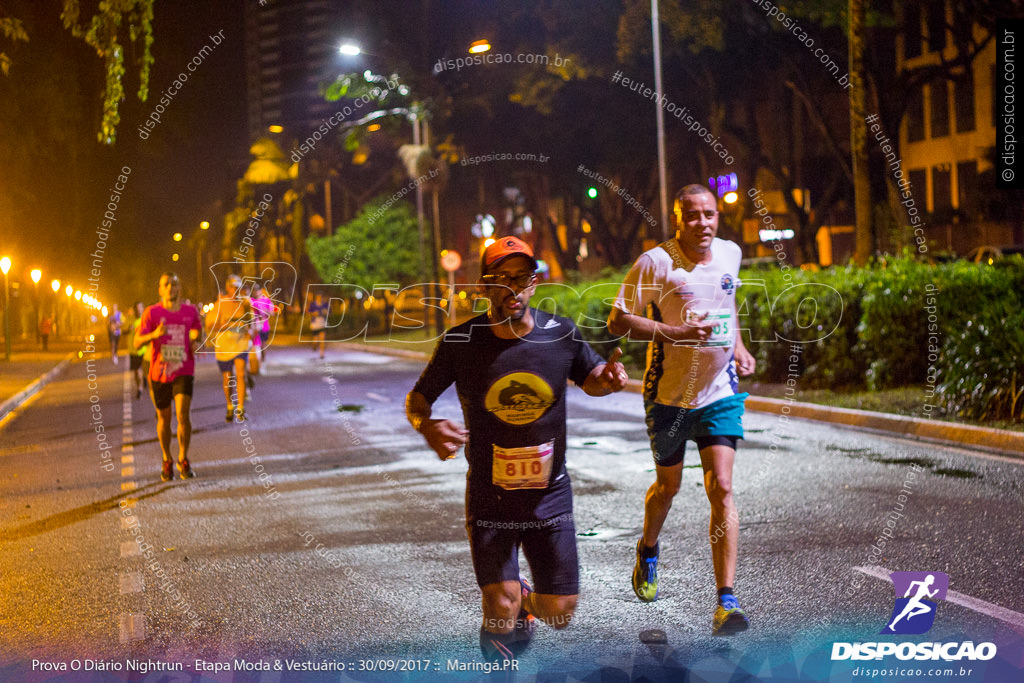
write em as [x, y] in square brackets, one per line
[676, 290]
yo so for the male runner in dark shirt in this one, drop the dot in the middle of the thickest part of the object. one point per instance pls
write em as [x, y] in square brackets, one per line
[510, 368]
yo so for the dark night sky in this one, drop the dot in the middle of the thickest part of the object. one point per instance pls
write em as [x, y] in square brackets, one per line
[190, 161]
[186, 171]
[193, 157]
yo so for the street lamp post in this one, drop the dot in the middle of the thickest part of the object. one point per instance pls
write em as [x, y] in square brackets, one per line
[660, 119]
[200, 254]
[36, 275]
[5, 265]
[69, 310]
[55, 285]
[420, 135]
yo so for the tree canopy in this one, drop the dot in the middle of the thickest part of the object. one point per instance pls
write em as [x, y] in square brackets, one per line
[378, 246]
[116, 25]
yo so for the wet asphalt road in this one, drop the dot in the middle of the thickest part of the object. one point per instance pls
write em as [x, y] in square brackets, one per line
[351, 547]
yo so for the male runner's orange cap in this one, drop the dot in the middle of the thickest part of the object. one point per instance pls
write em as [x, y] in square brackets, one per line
[504, 247]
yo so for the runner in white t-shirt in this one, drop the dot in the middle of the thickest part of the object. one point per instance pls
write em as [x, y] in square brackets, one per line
[681, 297]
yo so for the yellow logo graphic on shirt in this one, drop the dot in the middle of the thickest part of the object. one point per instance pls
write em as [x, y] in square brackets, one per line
[519, 398]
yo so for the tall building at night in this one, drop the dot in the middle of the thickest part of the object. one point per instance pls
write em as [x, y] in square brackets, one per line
[290, 48]
[948, 134]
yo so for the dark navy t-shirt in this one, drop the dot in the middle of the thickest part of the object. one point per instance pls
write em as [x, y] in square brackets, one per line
[512, 393]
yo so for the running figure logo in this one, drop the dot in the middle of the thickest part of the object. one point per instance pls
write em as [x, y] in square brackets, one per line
[914, 612]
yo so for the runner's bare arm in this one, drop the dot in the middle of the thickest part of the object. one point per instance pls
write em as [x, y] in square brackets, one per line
[608, 377]
[443, 436]
[141, 340]
[745, 361]
[642, 328]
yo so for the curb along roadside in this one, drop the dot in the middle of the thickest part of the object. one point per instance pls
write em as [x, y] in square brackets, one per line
[14, 402]
[997, 441]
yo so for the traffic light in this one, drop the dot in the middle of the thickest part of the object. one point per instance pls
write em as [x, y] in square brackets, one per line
[592, 192]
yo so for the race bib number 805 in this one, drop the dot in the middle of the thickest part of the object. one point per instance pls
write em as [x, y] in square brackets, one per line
[722, 334]
[523, 468]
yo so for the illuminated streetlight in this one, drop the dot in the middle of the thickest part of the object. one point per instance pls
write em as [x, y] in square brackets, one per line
[349, 49]
[36, 276]
[5, 266]
[275, 128]
[479, 46]
[78, 295]
[177, 237]
[730, 197]
[201, 250]
[174, 256]
[56, 286]
[69, 290]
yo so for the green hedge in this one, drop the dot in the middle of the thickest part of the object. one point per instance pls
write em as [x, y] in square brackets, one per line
[956, 327]
[779, 308]
[588, 304]
[981, 367]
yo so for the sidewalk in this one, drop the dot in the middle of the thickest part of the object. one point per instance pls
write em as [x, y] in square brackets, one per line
[30, 370]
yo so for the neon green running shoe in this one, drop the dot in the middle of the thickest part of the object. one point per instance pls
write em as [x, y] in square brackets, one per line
[645, 574]
[729, 617]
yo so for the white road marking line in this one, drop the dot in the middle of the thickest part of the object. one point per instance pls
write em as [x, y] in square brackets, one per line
[132, 624]
[133, 627]
[131, 582]
[1014, 619]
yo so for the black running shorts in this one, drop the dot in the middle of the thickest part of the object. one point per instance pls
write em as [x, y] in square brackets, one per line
[163, 393]
[549, 546]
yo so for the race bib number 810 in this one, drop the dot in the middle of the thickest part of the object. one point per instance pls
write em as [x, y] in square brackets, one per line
[523, 468]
